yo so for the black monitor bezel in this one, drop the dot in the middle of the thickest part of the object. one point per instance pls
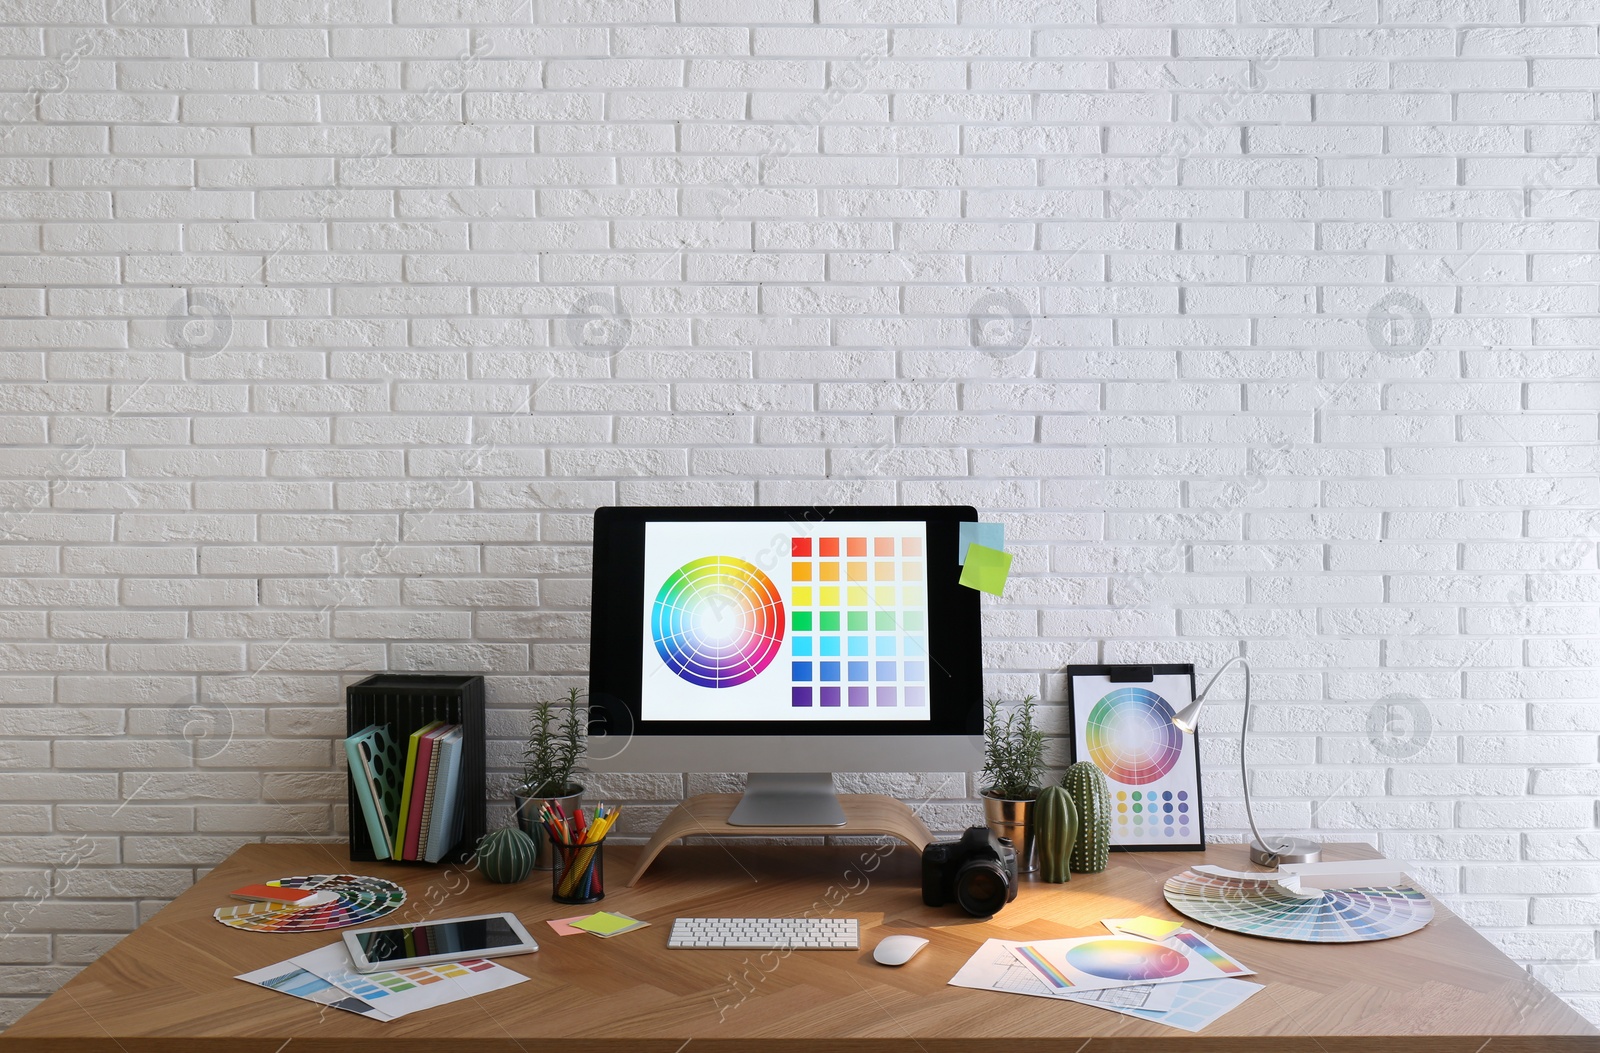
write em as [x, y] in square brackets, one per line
[955, 695]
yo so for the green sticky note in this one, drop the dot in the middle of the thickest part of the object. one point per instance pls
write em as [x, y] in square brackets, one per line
[986, 569]
[604, 923]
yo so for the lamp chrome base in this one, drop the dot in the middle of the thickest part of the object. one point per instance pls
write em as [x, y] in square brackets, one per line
[1285, 850]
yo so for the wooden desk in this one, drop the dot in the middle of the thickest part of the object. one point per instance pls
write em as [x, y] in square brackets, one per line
[169, 987]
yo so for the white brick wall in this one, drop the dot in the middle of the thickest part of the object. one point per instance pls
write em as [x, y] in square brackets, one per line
[293, 388]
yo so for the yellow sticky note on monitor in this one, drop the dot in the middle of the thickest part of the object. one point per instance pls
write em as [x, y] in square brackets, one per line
[1148, 927]
[986, 569]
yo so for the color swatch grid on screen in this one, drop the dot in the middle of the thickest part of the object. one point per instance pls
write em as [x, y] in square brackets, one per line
[858, 621]
[717, 621]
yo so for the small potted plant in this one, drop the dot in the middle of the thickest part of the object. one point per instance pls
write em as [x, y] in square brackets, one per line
[557, 738]
[1013, 767]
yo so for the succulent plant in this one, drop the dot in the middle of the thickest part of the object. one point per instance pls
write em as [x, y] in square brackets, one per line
[506, 855]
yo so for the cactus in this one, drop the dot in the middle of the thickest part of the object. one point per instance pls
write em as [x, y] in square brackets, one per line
[1087, 786]
[506, 855]
[1055, 825]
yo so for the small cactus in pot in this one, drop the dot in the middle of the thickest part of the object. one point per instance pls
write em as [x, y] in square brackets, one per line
[1055, 829]
[1087, 787]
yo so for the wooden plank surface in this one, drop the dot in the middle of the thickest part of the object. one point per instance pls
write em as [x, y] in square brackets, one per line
[169, 986]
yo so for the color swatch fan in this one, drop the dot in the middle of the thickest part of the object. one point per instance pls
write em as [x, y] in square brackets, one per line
[1275, 906]
[360, 899]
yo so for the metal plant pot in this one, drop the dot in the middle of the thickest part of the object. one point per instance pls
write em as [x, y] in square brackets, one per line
[528, 809]
[1012, 822]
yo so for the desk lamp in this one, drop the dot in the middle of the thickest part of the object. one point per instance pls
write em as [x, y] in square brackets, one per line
[1284, 849]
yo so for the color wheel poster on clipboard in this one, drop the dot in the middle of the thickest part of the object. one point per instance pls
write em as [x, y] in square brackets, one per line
[1122, 721]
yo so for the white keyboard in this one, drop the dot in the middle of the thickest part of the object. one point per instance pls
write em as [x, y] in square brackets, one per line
[800, 934]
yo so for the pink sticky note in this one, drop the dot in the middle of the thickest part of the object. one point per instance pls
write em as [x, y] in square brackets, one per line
[563, 926]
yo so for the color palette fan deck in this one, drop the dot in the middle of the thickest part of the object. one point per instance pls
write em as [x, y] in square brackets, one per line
[1275, 906]
[361, 899]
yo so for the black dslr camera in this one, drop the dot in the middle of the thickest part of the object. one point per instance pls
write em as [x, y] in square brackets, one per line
[979, 872]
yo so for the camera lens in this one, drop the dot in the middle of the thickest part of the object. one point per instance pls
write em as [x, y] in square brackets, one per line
[981, 887]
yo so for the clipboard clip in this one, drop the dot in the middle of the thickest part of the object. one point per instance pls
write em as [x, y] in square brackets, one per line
[1132, 674]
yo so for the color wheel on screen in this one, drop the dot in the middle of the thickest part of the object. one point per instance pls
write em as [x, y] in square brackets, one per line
[717, 621]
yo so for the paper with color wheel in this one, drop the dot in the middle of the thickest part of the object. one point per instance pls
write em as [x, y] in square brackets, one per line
[994, 968]
[1094, 962]
[986, 569]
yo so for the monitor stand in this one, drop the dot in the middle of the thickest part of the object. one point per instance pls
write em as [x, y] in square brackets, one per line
[788, 799]
[709, 814]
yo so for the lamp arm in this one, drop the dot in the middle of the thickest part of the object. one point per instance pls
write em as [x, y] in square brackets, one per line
[1244, 735]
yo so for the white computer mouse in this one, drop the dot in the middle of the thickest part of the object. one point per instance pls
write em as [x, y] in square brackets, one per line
[897, 950]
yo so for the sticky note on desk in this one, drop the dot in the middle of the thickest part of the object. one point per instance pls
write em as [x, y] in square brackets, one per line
[990, 535]
[563, 926]
[1146, 926]
[604, 923]
[986, 569]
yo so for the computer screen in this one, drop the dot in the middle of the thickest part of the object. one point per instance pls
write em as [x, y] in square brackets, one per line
[770, 620]
[783, 639]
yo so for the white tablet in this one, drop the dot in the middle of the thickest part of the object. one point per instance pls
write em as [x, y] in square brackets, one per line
[428, 942]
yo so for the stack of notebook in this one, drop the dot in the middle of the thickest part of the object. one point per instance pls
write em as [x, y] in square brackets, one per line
[411, 801]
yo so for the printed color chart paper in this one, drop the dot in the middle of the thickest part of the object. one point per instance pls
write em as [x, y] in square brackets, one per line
[386, 995]
[290, 979]
[1151, 767]
[785, 621]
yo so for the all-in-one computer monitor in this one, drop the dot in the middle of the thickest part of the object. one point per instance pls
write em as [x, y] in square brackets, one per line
[786, 642]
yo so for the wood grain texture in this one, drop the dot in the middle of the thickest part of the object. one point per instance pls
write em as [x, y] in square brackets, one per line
[707, 813]
[169, 987]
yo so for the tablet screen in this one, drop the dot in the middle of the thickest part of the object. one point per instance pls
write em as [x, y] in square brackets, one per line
[464, 938]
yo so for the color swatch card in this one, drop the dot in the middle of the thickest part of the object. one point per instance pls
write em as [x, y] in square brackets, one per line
[391, 994]
[288, 978]
[1090, 963]
[785, 621]
[1152, 768]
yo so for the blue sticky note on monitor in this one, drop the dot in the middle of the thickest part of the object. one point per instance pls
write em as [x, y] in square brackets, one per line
[989, 535]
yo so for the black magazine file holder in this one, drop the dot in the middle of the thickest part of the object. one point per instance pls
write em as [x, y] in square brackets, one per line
[405, 702]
